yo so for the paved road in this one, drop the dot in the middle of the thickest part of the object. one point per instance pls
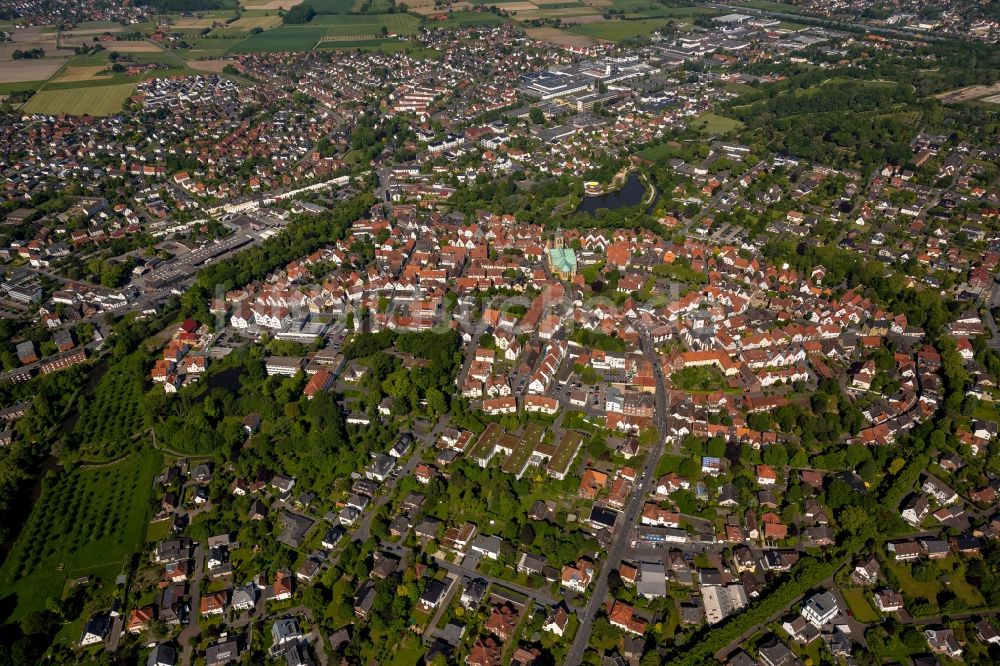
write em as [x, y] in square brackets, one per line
[189, 636]
[990, 321]
[623, 528]
[420, 445]
[729, 649]
[117, 629]
[453, 586]
[538, 593]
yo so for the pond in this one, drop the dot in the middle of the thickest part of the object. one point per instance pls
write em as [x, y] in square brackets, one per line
[228, 379]
[630, 194]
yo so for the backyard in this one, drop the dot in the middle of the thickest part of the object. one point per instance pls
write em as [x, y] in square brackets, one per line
[698, 378]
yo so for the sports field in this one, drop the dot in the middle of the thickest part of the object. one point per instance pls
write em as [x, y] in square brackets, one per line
[84, 524]
[94, 100]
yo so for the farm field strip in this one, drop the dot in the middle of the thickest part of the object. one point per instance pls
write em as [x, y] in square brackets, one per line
[94, 101]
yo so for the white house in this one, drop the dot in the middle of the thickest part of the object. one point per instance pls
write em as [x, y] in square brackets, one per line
[821, 608]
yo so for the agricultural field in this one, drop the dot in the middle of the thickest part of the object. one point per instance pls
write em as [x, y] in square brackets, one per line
[367, 24]
[94, 100]
[567, 14]
[20, 87]
[648, 9]
[386, 45]
[211, 46]
[192, 23]
[770, 6]
[968, 94]
[374, 6]
[135, 46]
[248, 23]
[559, 37]
[615, 31]
[271, 5]
[84, 523]
[110, 417]
[284, 38]
[456, 19]
[332, 6]
[84, 73]
[514, 5]
[213, 66]
[422, 6]
[29, 70]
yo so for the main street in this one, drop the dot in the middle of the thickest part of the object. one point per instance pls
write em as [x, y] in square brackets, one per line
[623, 527]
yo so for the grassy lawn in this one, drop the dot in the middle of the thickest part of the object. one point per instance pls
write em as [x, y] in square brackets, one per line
[960, 585]
[668, 464]
[889, 649]
[710, 123]
[95, 101]
[986, 411]
[957, 584]
[857, 601]
[913, 588]
[658, 153]
[409, 651]
[158, 531]
[575, 421]
[84, 524]
[698, 378]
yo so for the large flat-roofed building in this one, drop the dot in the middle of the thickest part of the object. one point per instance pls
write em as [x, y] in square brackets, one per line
[283, 365]
[553, 84]
[732, 19]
